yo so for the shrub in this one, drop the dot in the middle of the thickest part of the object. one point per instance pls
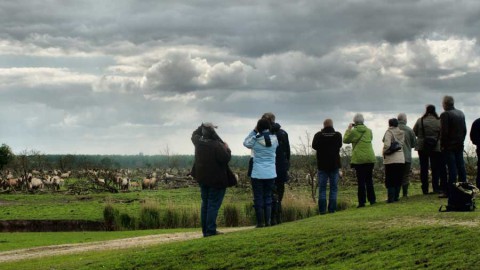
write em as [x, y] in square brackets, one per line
[149, 216]
[127, 222]
[171, 218]
[231, 214]
[110, 215]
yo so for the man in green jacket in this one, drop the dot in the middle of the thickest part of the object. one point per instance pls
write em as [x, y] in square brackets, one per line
[409, 143]
[363, 158]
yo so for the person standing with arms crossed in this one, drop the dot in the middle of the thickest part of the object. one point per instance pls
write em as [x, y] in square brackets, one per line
[327, 144]
[453, 133]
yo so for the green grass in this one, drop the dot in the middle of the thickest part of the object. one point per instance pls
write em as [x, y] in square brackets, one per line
[410, 234]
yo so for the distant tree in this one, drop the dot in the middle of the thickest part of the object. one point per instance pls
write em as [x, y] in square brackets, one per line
[305, 161]
[66, 162]
[6, 156]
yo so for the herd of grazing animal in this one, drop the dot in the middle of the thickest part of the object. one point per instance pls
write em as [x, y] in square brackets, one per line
[32, 181]
[121, 180]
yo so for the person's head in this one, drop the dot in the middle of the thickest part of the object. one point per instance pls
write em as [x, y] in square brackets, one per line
[430, 110]
[358, 119]
[269, 116]
[402, 117]
[393, 122]
[448, 102]
[208, 130]
[263, 124]
[328, 123]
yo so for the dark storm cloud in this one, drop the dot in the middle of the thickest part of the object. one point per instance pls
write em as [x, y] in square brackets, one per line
[106, 72]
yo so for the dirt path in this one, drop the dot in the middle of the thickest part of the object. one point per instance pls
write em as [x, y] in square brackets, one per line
[142, 241]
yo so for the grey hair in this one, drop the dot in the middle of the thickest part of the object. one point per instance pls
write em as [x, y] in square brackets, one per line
[402, 117]
[448, 100]
[358, 118]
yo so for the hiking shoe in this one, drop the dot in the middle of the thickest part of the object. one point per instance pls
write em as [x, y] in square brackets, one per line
[443, 195]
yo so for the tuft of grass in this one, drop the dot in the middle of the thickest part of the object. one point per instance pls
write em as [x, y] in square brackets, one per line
[149, 216]
[231, 214]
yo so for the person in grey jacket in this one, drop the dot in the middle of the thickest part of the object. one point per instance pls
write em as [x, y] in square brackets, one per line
[393, 162]
[410, 142]
[427, 127]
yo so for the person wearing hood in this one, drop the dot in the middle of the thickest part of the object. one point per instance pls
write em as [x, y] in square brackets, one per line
[263, 145]
[282, 165]
[327, 144]
[409, 143]
[210, 171]
[363, 158]
[394, 162]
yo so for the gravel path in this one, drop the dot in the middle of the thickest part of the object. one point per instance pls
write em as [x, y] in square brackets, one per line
[142, 241]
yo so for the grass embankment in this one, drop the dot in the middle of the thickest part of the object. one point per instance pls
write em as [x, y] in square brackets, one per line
[410, 234]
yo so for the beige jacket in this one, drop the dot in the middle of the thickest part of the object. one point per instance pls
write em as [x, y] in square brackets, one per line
[397, 157]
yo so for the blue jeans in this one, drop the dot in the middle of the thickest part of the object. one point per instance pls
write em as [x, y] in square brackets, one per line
[262, 192]
[325, 177]
[211, 201]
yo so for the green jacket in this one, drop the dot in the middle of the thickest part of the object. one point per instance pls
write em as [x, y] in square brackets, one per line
[362, 150]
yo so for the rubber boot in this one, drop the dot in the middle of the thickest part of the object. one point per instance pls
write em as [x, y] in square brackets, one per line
[259, 212]
[268, 216]
[405, 190]
[332, 206]
[279, 212]
[274, 214]
[322, 206]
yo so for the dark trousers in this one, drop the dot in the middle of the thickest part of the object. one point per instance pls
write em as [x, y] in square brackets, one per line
[277, 197]
[393, 180]
[439, 174]
[211, 201]
[365, 183]
[478, 166]
[262, 200]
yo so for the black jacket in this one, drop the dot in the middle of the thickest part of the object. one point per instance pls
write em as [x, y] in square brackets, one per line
[327, 143]
[211, 160]
[475, 133]
[282, 158]
[453, 130]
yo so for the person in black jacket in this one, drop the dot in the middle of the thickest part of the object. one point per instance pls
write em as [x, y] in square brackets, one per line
[210, 170]
[452, 136]
[475, 137]
[327, 144]
[282, 164]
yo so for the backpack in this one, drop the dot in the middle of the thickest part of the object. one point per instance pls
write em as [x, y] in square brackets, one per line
[461, 198]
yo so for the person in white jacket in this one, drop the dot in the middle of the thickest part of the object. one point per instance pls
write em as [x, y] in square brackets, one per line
[394, 162]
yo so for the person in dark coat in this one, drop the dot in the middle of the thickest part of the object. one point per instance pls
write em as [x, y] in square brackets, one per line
[210, 170]
[475, 137]
[282, 165]
[453, 133]
[327, 144]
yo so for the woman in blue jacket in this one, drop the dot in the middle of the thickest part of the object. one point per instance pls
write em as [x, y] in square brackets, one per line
[263, 145]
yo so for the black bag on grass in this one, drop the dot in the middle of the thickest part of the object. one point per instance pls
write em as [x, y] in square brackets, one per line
[461, 198]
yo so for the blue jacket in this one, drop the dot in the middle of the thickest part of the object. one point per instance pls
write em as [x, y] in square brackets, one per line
[263, 155]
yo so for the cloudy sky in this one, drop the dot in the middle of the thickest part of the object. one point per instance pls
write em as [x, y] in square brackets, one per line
[124, 77]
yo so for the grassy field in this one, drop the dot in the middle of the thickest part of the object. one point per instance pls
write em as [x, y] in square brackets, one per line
[410, 234]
